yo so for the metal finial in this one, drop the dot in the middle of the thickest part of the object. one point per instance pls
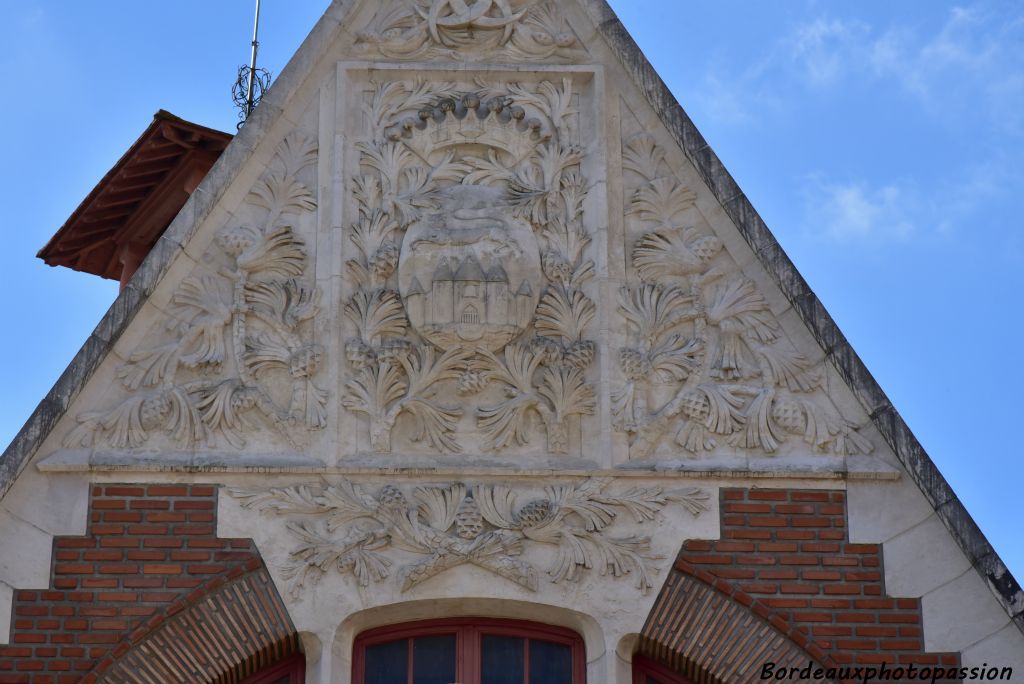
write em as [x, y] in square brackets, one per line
[252, 82]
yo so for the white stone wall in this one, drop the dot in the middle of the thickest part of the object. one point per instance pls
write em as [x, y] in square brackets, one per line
[921, 560]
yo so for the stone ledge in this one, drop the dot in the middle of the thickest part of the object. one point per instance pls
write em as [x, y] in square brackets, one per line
[85, 461]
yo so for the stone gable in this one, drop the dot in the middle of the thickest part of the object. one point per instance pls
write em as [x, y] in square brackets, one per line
[469, 318]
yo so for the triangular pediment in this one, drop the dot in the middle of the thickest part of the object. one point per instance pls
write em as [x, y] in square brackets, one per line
[451, 185]
[474, 240]
[464, 236]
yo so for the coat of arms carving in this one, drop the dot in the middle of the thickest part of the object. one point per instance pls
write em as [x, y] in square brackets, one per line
[469, 271]
[470, 310]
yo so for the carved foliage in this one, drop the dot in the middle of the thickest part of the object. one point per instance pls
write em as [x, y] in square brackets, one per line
[239, 347]
[511, 29]
[345, 528]
[467, 201]
[707, 360]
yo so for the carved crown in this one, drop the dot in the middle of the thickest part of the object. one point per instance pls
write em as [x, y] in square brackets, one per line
[495, 122]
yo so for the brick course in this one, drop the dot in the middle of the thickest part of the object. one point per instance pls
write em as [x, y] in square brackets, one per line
[147, 547]
[789, 551]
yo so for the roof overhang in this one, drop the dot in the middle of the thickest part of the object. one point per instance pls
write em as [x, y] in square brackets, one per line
[116, 225]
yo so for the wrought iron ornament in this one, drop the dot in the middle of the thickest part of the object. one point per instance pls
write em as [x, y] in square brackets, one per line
[252, 82]
[240, 90]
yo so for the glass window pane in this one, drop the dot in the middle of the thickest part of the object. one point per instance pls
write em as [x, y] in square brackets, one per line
[388, 663]
[433, 659]
[501, 659]
[550, 663]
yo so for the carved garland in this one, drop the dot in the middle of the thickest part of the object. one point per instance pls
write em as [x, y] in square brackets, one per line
[240, 335]
[707, 358]
[345, 528]
[513, 29]
[531, 169]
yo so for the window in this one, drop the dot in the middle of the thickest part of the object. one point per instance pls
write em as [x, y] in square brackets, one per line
[469, 651]
[647, 671]
[289, 671]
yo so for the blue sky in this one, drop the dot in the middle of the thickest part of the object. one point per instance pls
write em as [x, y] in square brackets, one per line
[882, 143]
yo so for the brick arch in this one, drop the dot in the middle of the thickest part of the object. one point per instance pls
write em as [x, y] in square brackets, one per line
[221, 633]
[150, 557]
[713, 632]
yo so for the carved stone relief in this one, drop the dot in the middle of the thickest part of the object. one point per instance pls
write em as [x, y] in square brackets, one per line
[457, 29]
[345, 528]
[237, 350]
[707, 364]
[469, 275]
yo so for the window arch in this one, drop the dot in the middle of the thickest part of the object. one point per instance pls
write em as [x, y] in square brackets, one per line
[470, 651]
[291, 670]
[648, 671]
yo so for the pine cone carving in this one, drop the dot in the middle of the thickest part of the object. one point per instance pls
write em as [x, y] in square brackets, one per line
[635, 364]
[534, 513]
[391, 497]
[385, 260]
[789, 415]
[471, 382]
[468, 521]
[581, 354]
[696, 406]
[707, 247]
[155, 411]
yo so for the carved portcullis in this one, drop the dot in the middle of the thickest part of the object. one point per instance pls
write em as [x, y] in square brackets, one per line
[349, 528]
[469, 306]
[237, 355]
[707, 365]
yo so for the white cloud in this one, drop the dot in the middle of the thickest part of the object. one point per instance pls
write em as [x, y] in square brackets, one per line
[824, 49]
[722, 101]
[856, 212]
[726, 103]
[973, 62]
[861, 213]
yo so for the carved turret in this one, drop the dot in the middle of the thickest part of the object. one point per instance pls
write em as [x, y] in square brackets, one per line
[498, 309]
[470, 271]
[524, 301]
[416, 299]
[442, 292]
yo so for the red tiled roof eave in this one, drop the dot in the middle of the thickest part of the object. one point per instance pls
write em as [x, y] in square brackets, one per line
[135, 201]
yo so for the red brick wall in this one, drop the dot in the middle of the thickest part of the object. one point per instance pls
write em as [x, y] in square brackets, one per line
[789, 550]
[147, 547]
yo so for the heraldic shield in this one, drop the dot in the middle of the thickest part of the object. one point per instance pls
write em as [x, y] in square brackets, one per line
[466, 271]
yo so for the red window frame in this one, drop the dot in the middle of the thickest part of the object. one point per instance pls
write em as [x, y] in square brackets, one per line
[293, 667]
[644, 667]
[468, 634]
